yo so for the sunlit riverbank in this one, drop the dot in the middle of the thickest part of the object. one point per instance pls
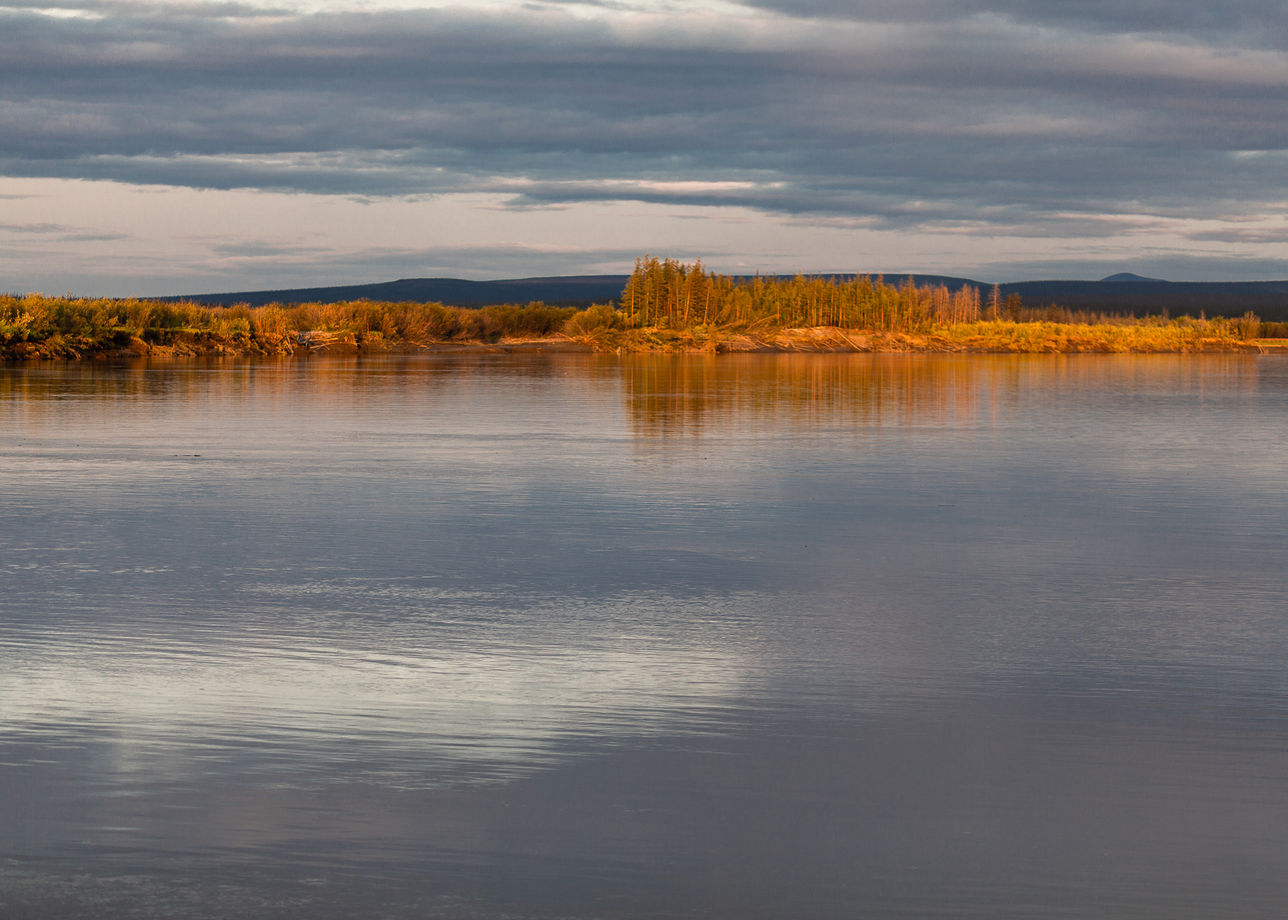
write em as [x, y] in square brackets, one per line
[39, 327]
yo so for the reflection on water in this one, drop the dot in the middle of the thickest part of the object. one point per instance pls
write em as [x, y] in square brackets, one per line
[574, 636]
[667, 398]
[670, 397]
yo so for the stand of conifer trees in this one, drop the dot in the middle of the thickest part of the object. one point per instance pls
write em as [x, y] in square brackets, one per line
[665, 292]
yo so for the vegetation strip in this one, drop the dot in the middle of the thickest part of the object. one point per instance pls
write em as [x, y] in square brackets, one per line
[666, 306]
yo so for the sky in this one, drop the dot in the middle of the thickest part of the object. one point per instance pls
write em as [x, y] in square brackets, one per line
[165, 148]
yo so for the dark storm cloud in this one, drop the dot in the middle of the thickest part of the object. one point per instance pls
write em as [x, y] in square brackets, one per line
[1021, 117]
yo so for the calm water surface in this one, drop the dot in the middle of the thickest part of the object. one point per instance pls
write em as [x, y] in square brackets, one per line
[573, 637]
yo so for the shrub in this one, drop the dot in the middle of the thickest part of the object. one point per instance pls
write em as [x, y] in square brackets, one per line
[601, 317]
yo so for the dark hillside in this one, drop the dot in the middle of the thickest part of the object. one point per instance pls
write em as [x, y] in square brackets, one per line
[579, 290]
[1134, 295]
[1267, 299]
[1129, 276]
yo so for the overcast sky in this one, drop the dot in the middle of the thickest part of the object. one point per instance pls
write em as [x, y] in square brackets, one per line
[157, 148]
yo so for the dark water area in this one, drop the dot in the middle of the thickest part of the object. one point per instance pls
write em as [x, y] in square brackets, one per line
[567, 636]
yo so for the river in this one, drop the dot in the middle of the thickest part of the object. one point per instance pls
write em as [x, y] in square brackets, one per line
[575, 636]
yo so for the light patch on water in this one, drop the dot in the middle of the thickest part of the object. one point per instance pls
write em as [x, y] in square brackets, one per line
[172, 703]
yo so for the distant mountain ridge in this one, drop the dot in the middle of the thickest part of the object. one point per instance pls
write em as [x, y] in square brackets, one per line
[1121, 293]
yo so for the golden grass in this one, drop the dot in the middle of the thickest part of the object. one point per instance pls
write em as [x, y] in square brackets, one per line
[1182, 335]
[993, 337]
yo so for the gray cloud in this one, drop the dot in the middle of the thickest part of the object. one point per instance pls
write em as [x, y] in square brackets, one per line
[33, 228]
[266, 249]
[59, 233]
[1237, 235]
[93, 237]
[1244, 20]
[1012, 117]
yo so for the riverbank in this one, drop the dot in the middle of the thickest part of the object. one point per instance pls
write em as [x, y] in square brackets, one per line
[1054, 340]
[985, 337]
[199, 345]
[36, 327]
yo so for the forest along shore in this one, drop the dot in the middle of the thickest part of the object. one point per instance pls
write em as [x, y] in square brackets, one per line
[666, 307]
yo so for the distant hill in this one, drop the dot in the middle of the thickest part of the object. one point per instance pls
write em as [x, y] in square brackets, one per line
[1129, 276]
[1121, 293]
[573, 290]
[1267, 299]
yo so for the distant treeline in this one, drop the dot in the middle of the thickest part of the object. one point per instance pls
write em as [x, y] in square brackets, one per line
[668, 293]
